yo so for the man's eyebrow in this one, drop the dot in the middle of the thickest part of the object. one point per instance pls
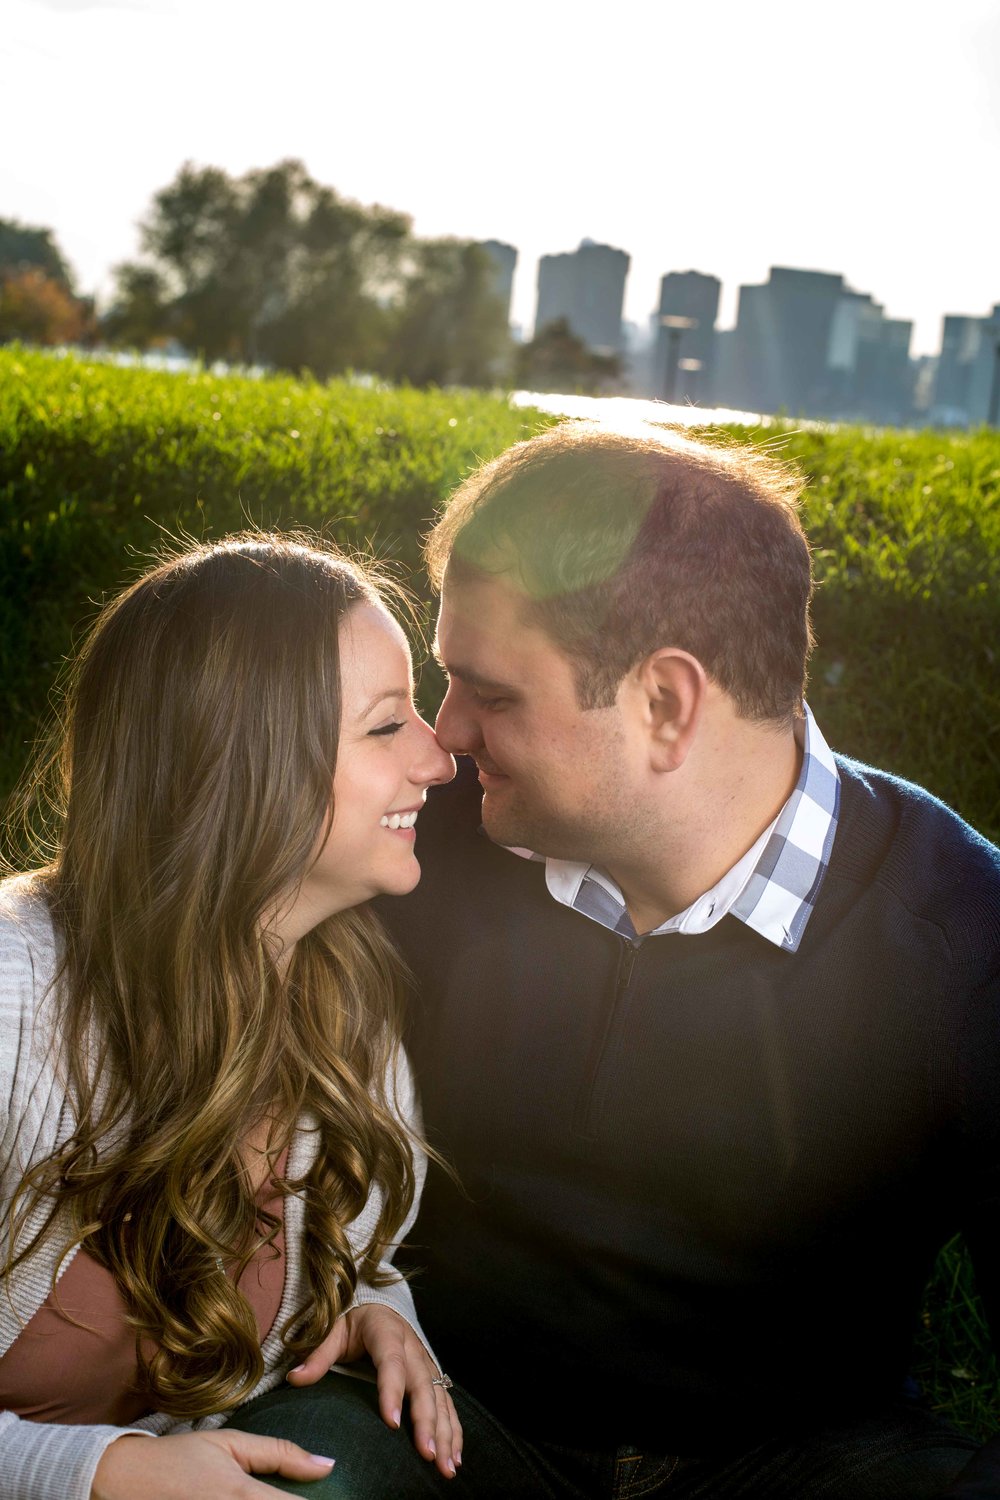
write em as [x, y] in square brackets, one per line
[380, 698]
[474, 679]
[480, 683]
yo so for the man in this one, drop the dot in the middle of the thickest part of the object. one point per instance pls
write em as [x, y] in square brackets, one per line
[707, 1017]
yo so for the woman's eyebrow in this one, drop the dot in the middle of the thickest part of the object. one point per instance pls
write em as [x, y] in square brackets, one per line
[381, 698]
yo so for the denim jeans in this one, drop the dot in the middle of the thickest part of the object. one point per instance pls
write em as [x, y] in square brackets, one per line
[903, 1453]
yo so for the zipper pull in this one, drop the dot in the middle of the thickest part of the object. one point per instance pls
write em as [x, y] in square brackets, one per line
[627, 964]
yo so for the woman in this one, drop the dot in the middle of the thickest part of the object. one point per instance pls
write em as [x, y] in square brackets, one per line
[206, 1122]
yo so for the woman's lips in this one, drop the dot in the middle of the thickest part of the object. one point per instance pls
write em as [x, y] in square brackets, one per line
[401, 823]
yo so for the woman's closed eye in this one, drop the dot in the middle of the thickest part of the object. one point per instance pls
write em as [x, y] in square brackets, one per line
[393, 727]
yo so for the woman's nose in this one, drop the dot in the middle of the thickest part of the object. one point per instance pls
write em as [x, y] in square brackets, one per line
[435, 763]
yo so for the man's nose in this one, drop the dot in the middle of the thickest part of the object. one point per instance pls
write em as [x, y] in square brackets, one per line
[456, 727]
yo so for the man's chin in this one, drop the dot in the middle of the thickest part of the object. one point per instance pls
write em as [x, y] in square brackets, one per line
[514, 829]
[503, 824]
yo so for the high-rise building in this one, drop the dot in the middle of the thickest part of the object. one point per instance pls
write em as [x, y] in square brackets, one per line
[587, 288]
[685, 337]
[868, 360]
[967, 383]
[806, 342]
[504, 258]
[887, 379]
[782, 336]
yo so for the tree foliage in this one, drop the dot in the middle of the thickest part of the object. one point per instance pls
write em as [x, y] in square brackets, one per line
[37, 302]
[450, 327]
[137, 317]
[276, 268]
[556, 360]
[37, 309]
[23, 247]
[270, 266]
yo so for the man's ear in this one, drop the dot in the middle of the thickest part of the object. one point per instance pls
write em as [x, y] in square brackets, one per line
[674, 685]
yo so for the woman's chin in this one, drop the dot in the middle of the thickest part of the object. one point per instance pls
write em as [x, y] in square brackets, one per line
[407, 881]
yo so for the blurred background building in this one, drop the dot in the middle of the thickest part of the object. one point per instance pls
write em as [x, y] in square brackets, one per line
[684, 339]
[967, 383]
[805, 342]
[504, 258]
[586, 287]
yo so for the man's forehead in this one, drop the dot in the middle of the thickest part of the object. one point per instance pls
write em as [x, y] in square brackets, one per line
[484, 627]
[485, 606]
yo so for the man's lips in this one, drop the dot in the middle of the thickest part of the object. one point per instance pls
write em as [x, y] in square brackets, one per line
[487, 773]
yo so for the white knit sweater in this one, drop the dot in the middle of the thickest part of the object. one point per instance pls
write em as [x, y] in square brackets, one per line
[54, 1461]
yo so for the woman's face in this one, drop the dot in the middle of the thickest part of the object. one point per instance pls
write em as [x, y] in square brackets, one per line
[386, 759]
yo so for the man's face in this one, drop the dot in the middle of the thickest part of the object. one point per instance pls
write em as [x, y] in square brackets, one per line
[556, 778]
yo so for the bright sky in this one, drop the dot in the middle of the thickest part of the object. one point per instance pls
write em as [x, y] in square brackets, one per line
[715, 135]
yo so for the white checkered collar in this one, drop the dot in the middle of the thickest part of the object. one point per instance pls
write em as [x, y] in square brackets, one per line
[772, 888]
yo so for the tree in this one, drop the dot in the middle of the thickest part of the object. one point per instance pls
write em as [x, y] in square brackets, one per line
[274, 267]
[342, 278]
[191, 236]
[556, 360]
[37, 302]
[23, 247]
[268, 266]
[137, 317]
[38, 309]
[451, 326]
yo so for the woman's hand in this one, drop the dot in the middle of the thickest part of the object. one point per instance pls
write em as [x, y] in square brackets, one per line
[402, 1367]
[218, 1464]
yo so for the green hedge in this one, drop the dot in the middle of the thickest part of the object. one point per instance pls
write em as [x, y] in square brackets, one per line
[97, 462]
[906, 534]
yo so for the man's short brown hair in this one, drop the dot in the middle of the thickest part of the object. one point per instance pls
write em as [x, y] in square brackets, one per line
[625, 541]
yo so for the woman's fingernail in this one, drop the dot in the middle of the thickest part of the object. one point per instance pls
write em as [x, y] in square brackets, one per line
[318, 1458]
[450, 1466]
[458, 1459]
[397, 1417]
[433, 1447]
[298, 1370]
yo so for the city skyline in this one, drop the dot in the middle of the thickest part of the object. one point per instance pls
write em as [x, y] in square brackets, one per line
[707, 138]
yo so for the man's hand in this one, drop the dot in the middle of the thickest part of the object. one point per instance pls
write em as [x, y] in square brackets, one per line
[200, 1463]
[403, 1368]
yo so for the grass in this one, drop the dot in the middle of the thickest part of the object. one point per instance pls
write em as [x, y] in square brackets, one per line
[98, 463]
[955, 1362]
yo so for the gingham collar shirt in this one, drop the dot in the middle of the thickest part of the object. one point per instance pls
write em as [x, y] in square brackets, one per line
[772, 888]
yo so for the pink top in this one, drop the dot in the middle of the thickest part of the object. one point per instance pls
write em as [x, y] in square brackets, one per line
[56, 1371]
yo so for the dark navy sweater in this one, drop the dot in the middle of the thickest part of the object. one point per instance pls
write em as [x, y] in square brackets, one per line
[704, 1179]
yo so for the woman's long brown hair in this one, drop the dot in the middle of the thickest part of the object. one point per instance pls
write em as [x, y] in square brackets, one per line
[200, 744]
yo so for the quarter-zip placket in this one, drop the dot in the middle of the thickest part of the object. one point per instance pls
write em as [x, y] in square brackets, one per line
[591, 1095]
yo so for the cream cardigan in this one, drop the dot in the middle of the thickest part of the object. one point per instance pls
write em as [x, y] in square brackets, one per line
[54, 1461]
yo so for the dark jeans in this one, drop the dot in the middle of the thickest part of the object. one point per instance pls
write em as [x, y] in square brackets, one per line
[906, 1453]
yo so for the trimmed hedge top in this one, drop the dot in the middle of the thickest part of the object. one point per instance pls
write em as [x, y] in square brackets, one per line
[98, 462]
